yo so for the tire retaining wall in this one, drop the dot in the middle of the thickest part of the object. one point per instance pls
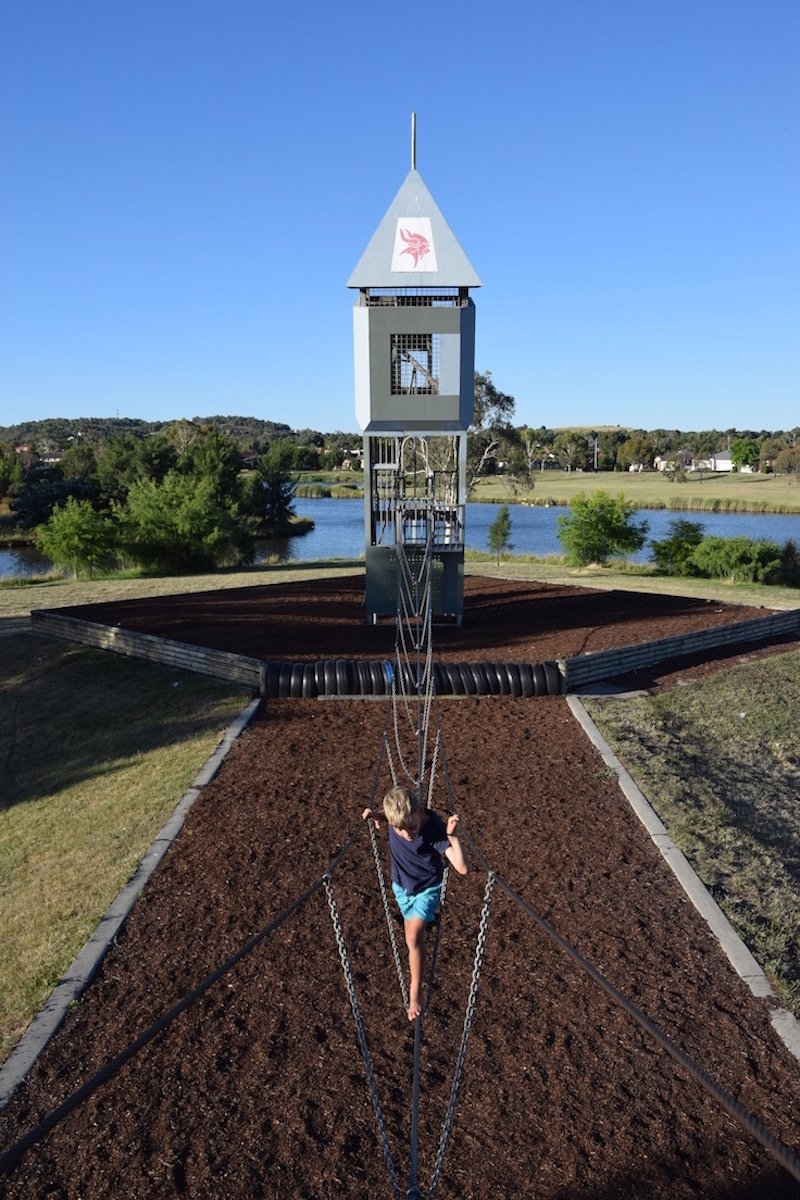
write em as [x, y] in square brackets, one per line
[344, 677]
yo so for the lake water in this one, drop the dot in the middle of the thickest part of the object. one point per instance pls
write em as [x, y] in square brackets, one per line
[339, 529]
[339, 532]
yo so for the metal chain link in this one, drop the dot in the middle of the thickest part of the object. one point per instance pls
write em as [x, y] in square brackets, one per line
[470, 1012]
[387, 910]
[361, 1033]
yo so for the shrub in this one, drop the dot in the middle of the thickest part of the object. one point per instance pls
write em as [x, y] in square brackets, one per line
[741, 559]
[673, 554]
[600, 526]
[78, 538]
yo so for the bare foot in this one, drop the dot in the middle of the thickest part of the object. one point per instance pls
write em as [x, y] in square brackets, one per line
[414, 1010]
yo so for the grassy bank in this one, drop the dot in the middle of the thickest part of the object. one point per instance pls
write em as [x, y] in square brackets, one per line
[96, 752]
[720, 763]
[705, 491]
[728, 492]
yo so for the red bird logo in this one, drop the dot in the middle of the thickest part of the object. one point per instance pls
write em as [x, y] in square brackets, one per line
[416, 245]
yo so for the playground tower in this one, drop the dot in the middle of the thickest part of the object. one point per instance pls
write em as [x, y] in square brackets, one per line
[414, 343]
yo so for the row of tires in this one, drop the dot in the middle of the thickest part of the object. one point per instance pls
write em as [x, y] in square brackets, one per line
[344, 677]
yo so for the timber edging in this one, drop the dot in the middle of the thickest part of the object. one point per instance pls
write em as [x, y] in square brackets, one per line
[219, 664]
[606, 664]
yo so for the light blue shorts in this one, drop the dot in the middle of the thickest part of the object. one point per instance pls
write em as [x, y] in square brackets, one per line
[422, 904]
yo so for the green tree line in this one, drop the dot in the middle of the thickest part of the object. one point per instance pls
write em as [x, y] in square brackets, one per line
[172, 501]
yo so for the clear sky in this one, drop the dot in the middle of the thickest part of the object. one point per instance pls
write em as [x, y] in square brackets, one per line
[186, 185]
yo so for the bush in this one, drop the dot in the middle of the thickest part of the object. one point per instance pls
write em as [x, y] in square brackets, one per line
[789, 570]
[740, 559]
[673, 554]
[78, 538]
[600, 526]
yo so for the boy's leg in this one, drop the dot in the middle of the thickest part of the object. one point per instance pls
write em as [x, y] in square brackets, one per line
[415, 940]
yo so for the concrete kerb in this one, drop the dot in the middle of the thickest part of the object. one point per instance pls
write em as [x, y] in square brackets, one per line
[83, 967]
[784, 1022]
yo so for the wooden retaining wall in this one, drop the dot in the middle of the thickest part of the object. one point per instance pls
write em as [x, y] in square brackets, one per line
[219, 664]
[606, 664]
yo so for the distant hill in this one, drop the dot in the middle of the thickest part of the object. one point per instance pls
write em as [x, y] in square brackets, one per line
[59, 431]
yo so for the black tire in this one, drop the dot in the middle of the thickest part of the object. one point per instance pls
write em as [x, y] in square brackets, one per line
[344, 677]
[319, 677]
[309, 682]
[468, 679]
[363, 679]
[285, 680]
[514, 681]
[492, 679]
[378, 676]
[553, 677]
[296, 680]
[481, 682]
[273, 679]
[455, 679]
[539, 680]
[526, 679]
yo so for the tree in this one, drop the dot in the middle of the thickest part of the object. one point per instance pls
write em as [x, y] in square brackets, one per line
[78, 463]
[491, 420]
[788, 461]
[600, 526]
[78, 538]
[744, 452]
[673, 554]
[212, 455]
[572, 449]
[636, 450]
[181, 524]
[500, 532]
[269, 491]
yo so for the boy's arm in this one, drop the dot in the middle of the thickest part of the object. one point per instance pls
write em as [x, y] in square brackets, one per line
[454, 854]
[371, 814]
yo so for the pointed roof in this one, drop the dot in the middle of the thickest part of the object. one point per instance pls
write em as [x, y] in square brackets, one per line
[413, 246]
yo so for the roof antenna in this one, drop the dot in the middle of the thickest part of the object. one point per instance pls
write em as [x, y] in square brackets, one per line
[413, 141]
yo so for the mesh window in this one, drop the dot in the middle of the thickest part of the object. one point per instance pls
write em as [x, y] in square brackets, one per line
[415, 364]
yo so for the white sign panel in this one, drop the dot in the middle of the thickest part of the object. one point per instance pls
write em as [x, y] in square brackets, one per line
[413, 245]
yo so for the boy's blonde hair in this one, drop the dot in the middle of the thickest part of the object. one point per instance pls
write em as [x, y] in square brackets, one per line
[399, 805]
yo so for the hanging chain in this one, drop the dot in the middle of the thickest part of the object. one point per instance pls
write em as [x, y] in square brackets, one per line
[387, 910]
[361, 1033]
[470, 1012]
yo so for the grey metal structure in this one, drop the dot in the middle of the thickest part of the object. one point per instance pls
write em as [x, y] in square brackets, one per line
[414, 344]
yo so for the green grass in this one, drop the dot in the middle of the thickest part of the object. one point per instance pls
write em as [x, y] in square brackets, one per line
[19, 599]
[719, 760]
[96, 751]
[629, 577]
[728, 492]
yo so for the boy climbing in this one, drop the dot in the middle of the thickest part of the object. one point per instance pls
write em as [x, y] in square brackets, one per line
[418, 838]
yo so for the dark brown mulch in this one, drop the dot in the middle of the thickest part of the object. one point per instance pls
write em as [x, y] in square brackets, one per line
[510, 620]
[259, 1090]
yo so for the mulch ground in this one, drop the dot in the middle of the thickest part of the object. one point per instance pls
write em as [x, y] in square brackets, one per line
[259, 1090]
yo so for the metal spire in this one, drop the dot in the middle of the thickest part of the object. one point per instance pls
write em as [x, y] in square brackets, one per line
[413, 141]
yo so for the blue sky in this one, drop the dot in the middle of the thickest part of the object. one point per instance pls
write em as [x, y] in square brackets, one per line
[186, 187]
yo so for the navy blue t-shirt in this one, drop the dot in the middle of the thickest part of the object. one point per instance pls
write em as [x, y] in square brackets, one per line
[418, 864]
